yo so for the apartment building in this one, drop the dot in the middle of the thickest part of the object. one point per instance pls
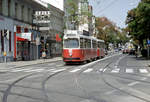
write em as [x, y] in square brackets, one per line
[16, 21]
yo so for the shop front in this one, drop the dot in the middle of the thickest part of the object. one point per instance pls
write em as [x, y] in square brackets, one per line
[23, 49]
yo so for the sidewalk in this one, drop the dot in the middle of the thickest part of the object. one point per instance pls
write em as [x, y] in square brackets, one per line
[28, 63]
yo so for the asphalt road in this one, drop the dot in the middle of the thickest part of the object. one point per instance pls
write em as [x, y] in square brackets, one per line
[116, 78]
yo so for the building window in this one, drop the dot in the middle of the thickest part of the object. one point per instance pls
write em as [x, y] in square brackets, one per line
[0, 6]
[9, 7]
[16, 10]
[10, 41]
[22, 12]
[2, 41]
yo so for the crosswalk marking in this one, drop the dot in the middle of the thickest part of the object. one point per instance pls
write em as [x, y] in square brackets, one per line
[59, 70]
[143, 70]
[115, 70]
[75, 70]
[129, 70]
[88, 70]
[101, 69]
[19, 70]
[35, 70]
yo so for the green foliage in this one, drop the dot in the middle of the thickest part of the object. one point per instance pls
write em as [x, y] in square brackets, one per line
[138, 21]
[109, 32]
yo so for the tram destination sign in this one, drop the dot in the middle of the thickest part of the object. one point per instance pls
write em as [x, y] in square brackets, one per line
[41, 17]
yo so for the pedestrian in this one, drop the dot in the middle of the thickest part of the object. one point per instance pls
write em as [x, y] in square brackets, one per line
[44, 55]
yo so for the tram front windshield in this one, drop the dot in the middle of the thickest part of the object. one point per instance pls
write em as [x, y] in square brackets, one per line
[71, 43]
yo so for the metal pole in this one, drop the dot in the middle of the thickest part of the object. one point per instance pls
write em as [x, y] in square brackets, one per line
[148, 52]
[5, 60]
[37, 52]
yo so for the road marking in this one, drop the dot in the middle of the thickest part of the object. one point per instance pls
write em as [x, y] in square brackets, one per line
[129, 70]
[75, 70]
[19, 70]
[143, 70]
[59, 70]
[133, 83]
[104, 69]
[88, 70]
[101, 69]
[98, 61]
[35, 70]
[59, 65]
[115, 70]
[4, 70]
[110, 92]
[51, 70]
[144, 78]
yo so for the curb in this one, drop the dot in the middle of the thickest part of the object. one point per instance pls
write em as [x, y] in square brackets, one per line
[36, 63]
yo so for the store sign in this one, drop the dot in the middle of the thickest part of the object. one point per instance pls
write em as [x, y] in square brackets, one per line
[42, 17]
[26, 36]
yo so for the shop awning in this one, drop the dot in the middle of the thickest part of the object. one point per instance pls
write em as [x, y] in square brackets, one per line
[21, 39]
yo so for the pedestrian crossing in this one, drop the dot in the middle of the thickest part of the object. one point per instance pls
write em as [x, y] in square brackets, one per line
[77, 70]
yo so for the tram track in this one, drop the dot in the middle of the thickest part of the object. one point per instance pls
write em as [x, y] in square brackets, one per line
[7, 92]
[77, 82]
[121, 89]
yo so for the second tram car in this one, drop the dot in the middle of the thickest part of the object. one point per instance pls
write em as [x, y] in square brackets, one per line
[79, 48]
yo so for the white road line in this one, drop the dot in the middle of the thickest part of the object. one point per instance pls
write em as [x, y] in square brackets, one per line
[129, 70]
[59, 65]
[144, 78]
[59, 70]
[110, 92]
[143, 70]
[133, 83]
[88, 70]
[104, 69]
[50, 70]
[75, 70]
[101, 69]
[115, 70]
[35, 70]
[19, 70]
[4, 70]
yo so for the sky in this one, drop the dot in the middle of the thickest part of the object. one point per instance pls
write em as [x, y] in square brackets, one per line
[56, 3]
[115, 10]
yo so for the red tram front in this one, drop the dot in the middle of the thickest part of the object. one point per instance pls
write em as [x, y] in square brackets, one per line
[79, 48]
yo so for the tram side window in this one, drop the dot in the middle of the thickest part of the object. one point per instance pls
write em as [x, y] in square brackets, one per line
[89, 43]
[99, 45]
[94, 44]
[82, 43]
[86, 43]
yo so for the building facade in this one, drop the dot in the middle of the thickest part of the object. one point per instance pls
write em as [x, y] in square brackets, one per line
[16, 18]
[52, 31]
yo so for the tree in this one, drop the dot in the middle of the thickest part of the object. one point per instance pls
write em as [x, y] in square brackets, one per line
[139, 23]
[109, 32]
[72, 9]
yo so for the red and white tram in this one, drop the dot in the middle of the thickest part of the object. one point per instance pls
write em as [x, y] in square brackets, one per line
[79, 48]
